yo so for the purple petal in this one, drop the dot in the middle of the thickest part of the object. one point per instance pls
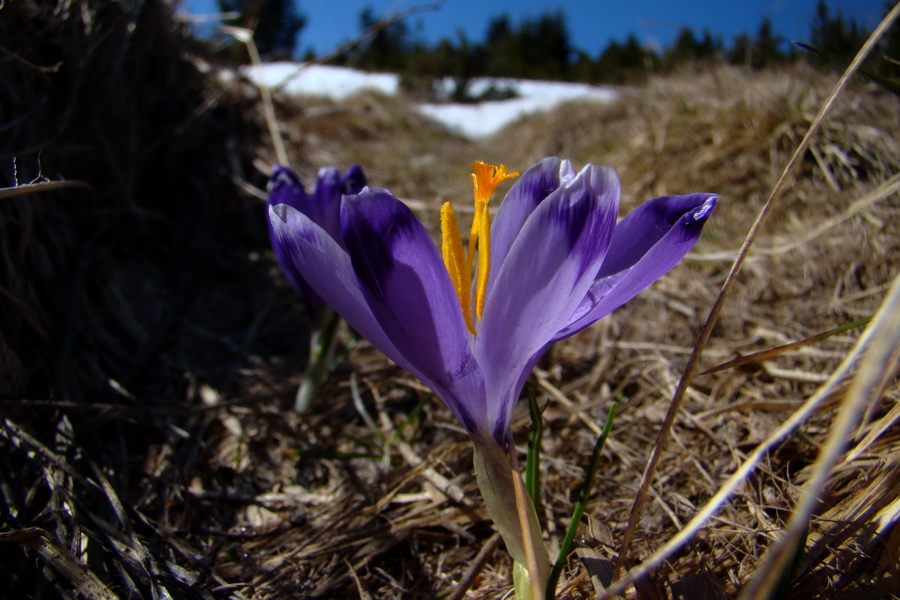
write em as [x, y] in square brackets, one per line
[546, 274]
[645, 246]
[326, 267]
[409, 291]
[524, 196]
[325, 201]
[354, 180]
[322, 205]
[285, 188]
[503, 418]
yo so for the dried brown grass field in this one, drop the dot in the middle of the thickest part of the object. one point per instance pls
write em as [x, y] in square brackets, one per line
[151, 349]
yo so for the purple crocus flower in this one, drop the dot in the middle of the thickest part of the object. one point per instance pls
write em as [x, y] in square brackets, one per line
[323, 206]
[553, 262]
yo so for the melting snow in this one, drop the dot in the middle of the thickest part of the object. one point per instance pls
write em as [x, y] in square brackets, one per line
[473, 120]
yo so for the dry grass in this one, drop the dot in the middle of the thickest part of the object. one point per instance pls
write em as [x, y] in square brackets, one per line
[151, 349]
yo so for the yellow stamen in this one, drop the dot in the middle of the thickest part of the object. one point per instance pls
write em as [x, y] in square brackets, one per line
[484, 259]
[452, 251]
[485, 180]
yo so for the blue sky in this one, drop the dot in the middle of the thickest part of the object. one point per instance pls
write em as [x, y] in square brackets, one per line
[592, 23]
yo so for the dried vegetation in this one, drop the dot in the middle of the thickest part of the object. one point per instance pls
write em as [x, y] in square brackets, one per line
[151, 349]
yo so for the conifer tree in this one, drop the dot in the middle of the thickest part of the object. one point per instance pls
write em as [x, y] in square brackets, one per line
[834, 36]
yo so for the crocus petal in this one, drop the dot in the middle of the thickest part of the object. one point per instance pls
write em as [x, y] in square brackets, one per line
[409, 291]
[546, 274]
[310, 250]
[645, 246]
[285, 188]
[354, 180]
[524, 196]
[322, 206]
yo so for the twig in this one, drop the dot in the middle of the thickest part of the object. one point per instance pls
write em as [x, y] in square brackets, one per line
[61, 559]
[363, 594]
[477, 565]
[42, 455]
[830, 387]
[246, 37]
[28, 63]
[693, 361]
[885, 190]
[773, 352]
[44, 186]
[443, 485]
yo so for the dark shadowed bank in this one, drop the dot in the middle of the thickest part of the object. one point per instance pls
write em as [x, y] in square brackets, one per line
[122, 295]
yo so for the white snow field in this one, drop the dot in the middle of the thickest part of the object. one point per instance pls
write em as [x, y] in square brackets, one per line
[472, 120]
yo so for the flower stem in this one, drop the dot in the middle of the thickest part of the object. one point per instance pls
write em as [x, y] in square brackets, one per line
[584, 495]
[322, 347]
[511, 510]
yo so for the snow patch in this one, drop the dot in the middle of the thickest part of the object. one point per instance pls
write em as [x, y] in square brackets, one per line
[475, 120]
[337, 83]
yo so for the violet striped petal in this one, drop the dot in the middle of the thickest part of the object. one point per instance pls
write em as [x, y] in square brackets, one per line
[322, 206]
[325, 201]
[645, 246]
[284, 187]
[407, 287]
[523, 197]
[326, 267]
[547, 272]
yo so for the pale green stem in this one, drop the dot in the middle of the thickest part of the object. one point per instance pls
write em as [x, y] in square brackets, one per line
[322, 346]
[512, 511]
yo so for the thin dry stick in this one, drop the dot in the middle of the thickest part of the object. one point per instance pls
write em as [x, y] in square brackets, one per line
[875, 369]
[44, 186]
[363, 594]
[477, 565]
[246, 37]
[703, 338]
[62, 560]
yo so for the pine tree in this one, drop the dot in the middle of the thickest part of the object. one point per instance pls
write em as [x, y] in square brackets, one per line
[689, 49]
[835, 37]
[765, 52]
[388, 49]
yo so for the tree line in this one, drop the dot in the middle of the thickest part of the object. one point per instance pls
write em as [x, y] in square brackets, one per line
[540, 47]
